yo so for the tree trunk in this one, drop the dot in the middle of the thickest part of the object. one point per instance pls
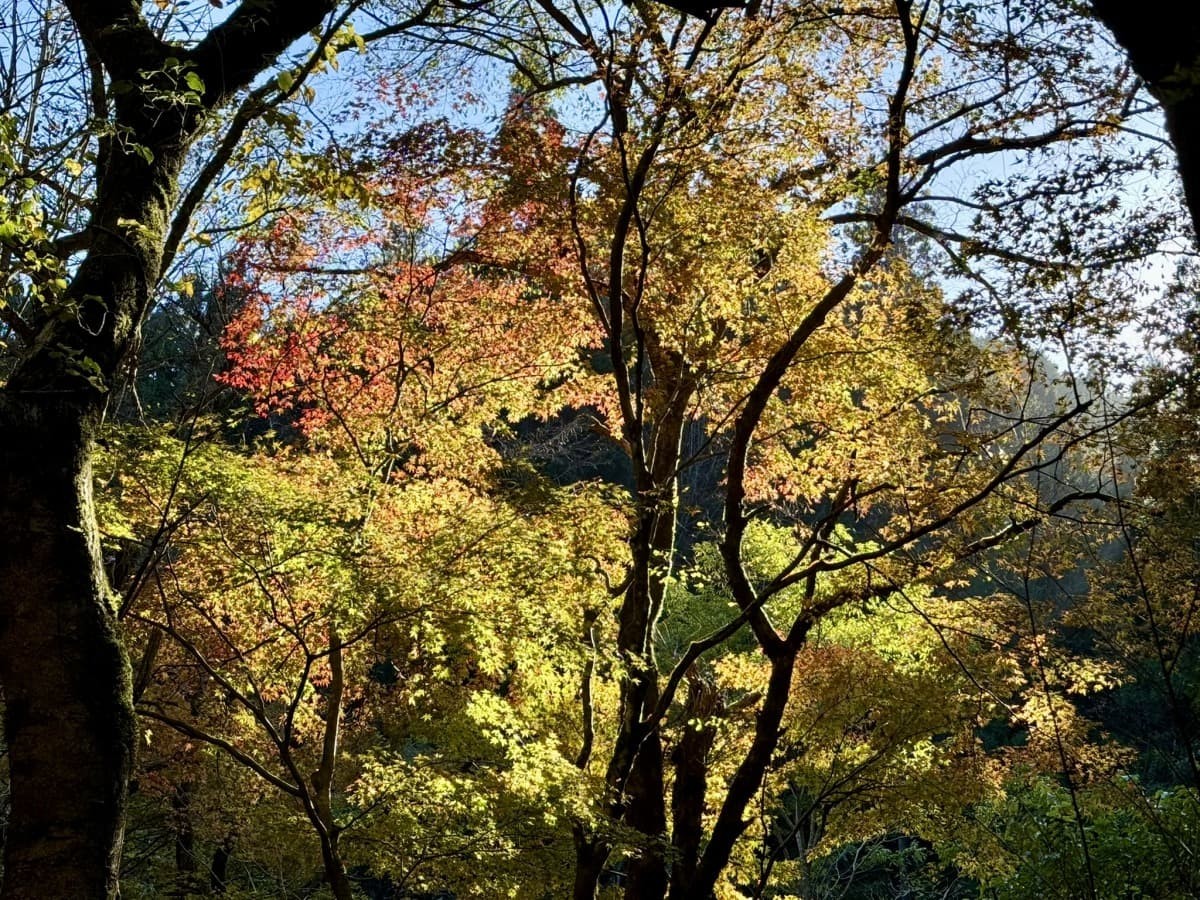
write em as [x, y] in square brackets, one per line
[1162, 38]
[635, 774]
[185, 842]
[689, 792]
[322, 778]
[745, 784]
[335, 870]
[69, 719]
[647, 870]
[218, 870]
[590, 857]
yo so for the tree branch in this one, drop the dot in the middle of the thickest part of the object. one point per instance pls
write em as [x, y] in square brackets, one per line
[244, 758]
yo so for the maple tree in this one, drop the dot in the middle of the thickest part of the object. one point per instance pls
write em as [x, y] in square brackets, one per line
[786, 269]
[657, 253]
[724, 307]
[424, 577]
[151, 93]
[355, 654]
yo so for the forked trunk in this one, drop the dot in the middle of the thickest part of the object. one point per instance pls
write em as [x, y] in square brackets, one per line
[335, 869]
[731, 822]
[590, 857]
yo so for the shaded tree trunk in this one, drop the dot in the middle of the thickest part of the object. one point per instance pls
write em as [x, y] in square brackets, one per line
[647, 871]
[634, 776]
[322, 779]
[731, 821]
[1162, 38]
[185, 841]
[69, 719]
[335, 870]
[218, 869]
[591, 853]
[688, 794]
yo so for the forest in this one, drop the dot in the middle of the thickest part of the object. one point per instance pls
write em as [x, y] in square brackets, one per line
[599, 449]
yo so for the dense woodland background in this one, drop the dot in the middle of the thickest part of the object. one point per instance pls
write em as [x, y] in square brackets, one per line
[549, 449]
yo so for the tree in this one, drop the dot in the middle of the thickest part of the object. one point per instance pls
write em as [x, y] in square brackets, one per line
[68, 717]
[1162, 39]
[692, 226]
[385, 667]
[386, 533]
[1163, 43]
[658, 267]
[753, 298]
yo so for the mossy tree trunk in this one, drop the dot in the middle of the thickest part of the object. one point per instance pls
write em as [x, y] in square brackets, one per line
[69, 720]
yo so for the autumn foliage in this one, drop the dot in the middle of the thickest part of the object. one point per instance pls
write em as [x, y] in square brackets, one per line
[684, 470]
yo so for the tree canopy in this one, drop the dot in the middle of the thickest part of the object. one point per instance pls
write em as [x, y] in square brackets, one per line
[529, 449]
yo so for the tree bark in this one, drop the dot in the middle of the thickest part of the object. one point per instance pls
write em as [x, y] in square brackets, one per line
[635, 774]
[1162, 38]
[218, 869]
[185, 842]
[731, 821]
[335, 870]
[591, 854]
[689, 793]
[69, 720]
[647, 871]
